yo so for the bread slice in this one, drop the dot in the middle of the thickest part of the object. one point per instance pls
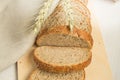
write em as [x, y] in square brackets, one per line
[62, 59]
[62, 37]
[43, 75]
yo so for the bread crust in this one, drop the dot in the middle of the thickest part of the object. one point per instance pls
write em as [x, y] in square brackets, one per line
[34, 71]
[65, 30]
[60, 69]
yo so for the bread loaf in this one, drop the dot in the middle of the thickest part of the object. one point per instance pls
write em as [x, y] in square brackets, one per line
[69, 23]
[71, 14]
[64, 43]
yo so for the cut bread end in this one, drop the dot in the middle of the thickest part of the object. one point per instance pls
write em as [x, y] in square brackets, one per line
[43, 75]
[62, 37]
[62, 59]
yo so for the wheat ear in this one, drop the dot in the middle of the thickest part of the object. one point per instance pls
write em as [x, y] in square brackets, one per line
[68, 10]
[42, 15]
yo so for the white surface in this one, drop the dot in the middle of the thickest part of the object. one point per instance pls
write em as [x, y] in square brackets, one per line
[108, 15]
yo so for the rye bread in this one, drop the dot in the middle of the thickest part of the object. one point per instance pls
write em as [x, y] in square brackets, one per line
[62, 59]
[61, 36]
[43, 75]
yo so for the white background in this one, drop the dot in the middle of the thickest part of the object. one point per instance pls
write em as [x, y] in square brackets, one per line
[107, 14]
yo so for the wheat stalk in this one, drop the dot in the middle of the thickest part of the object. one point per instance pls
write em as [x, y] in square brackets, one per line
[68, 10]
[42, 15]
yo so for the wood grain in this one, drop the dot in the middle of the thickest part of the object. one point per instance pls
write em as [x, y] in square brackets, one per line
[99, 68]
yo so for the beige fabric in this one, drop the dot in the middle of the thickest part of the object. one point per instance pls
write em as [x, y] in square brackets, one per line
[16, 35]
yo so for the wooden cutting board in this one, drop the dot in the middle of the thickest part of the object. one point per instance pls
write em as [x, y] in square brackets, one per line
[98, 69]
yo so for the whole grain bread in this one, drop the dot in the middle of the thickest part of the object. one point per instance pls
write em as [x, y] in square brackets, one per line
[67, 24]
[43, 75]
[62, 59]
[74, 14]
[61, 36]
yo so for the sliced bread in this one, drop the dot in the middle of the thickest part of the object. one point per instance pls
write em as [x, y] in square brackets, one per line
[43, 75]
[64, 27]
[62, 59]
[72, 15]
[61, 36]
